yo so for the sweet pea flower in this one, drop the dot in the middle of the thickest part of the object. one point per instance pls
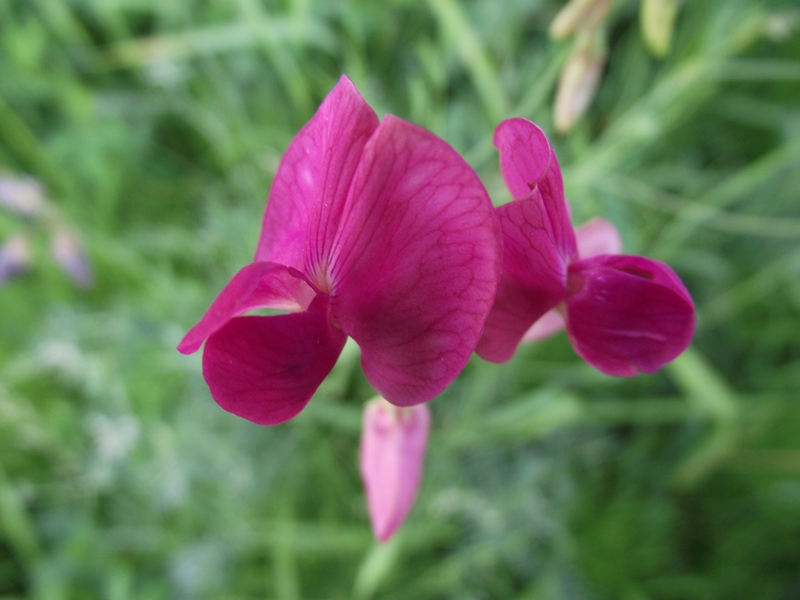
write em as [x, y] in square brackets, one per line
[375, 230]
[624, 314]
[393, 442]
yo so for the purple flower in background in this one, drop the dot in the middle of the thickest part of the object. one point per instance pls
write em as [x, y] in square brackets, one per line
[393, 442]
[24, 196]
[14, 257]
[70, 255]
[375, 230]
[623, 314]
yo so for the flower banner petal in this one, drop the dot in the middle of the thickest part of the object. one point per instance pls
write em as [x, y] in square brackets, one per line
[533, 281]
[628, 314]
[257, 285]
[309, 190]
[265, 369]
[392, 453]
[416, 262]
[528, 162]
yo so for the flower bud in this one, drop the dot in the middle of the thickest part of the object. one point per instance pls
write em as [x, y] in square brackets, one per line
[569, 18]
[578, 82]
[393, 442]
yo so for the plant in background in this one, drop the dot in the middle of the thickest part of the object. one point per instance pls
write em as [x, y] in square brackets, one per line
[547, 479]
[624, 314]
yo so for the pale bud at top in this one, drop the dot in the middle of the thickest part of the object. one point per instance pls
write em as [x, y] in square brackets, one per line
[579, 81]
[569, 18]
[577, 15]
[393, 442]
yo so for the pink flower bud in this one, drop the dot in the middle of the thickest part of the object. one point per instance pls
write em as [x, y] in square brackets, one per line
[393, 442]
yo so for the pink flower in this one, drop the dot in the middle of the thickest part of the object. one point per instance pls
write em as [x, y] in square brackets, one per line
[378, 231]
[393, 444]
[624, 314]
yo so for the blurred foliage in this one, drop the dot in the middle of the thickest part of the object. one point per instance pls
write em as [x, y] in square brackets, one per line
[156, 127]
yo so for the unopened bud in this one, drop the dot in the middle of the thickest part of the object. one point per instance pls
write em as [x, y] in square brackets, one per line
[14, 257]
[393, 442]
[578, 83]
[570, 18]
[71, 257]
[658, 24]
[22, 195]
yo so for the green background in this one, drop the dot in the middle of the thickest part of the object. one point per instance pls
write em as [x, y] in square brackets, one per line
[156, 128]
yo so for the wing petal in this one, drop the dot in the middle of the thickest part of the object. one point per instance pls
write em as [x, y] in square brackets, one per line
[265, 369]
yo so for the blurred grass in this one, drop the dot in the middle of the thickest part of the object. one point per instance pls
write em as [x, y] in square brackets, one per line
[157, 126]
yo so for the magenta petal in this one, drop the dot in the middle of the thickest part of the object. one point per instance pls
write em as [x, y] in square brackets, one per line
[257, 285]
[628, 314]
[597, 237]
[265, 369]
[416, 262]
[528, 162]
[393, 442]
[524, 155]
[533, 281]
[309, 190]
